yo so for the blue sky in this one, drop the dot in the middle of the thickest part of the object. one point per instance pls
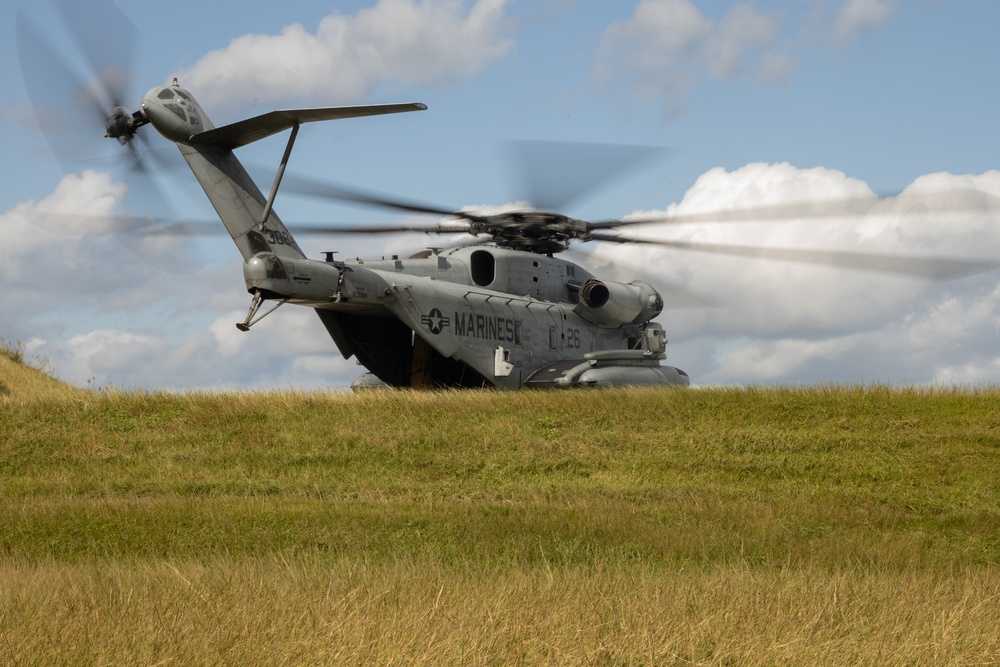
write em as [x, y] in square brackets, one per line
[756, 103]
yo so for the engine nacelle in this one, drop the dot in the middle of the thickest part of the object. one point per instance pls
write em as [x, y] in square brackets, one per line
[612, 304]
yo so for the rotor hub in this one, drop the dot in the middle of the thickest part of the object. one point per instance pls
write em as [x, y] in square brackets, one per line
[536, 231]
[122, 125]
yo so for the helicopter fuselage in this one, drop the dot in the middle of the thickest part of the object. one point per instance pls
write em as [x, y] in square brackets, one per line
[501, 314]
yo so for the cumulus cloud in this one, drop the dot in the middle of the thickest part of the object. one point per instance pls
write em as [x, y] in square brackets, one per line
[422, 42]
[739, 32]
[784, 321]
[92, 305]
[69, 234]
[292, 351]
[859, 16]
[667, 47]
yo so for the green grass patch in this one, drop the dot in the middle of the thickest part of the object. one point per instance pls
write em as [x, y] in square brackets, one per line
[535, 528]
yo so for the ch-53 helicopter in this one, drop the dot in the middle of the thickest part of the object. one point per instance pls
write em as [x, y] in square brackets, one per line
[501, 311]
[509, 314]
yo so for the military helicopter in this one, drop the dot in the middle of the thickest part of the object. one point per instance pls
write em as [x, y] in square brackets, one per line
[509, 314]
[500, 311]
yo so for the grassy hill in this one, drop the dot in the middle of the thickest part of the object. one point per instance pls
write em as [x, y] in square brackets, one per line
[630, 527]
[22, 380]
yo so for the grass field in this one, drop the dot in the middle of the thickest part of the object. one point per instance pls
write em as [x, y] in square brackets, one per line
[730, 527]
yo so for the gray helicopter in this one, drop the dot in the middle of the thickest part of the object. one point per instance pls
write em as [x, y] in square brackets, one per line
[502, 310]
[509, 314]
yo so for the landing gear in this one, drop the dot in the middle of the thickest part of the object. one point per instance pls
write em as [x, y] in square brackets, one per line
[258, 300]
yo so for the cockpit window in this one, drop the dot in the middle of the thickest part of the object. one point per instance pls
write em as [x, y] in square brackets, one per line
[176, 110]
[166, 94]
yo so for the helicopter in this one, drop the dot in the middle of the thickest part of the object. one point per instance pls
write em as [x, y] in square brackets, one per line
[509, 314]
[503, 310]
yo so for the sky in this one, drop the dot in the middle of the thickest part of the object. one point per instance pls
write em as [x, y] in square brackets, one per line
[888, 105]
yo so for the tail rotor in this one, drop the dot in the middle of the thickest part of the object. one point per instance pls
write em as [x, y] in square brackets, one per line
[79, 83]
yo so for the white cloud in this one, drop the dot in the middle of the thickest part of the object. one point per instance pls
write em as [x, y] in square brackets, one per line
[739, 32]
[859, 16]
[793, 322]
[86, 249]
[289, 350]
[776, 66]
[67, 233]
[81, 204]
[108, 353]
[986, 372]
[422, 42]
[653, 50]
[770, 360]
[667, 47]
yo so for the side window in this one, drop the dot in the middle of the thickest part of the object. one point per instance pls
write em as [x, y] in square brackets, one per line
[483, 268]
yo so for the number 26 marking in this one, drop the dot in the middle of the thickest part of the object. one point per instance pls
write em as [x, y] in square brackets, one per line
[573, 338]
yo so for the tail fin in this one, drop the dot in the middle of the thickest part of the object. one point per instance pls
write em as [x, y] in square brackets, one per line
[239, 202]
[209, 152]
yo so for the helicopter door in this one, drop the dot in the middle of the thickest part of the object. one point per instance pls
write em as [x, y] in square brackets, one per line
[421, 375]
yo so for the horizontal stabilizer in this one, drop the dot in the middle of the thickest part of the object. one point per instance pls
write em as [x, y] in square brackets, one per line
[260, 127]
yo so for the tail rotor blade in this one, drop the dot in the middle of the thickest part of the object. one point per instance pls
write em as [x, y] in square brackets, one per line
[69, 112]
[91, 23]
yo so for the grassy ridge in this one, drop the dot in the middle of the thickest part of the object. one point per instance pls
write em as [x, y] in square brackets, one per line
[620, 527]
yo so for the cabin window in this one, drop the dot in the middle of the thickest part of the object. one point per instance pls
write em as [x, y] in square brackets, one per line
[483, 267]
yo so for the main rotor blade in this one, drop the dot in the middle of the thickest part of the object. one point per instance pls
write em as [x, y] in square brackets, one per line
[936, 268]
[147, 225]
[956, 200]
[369, 229]
[554, 174]
[314, 188]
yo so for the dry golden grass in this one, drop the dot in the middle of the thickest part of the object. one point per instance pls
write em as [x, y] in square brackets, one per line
[22, 382]
[302, 611]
